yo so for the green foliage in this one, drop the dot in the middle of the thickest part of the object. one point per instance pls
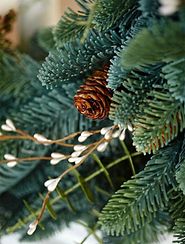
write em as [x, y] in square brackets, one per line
[22, 70]
[10, 177]
[129, 102]
[148, 234]
[107, 13]
[181, 170]
[75, 60]
[46, 38]
[164, 41]
[161, 121]
[174, 73]
[73, 25]
[145, 52]
[179, 230]
[138, 200]
[177, 212]
[149, 6]
[98, 14]
[132, 22]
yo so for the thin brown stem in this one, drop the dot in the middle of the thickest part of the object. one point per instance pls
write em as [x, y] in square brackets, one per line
[9, 137]
[44, 204]
[25, 159]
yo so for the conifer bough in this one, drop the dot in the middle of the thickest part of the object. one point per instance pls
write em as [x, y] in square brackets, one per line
[142, 89]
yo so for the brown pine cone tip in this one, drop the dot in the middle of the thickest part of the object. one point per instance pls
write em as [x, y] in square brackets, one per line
[93, 98]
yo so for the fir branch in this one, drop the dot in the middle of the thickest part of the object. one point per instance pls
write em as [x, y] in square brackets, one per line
[161, 121]
[164, 41]
[75, 60]
[149, 233]
[138, 200]
[75, 25]
[177, 212]
[174, 73]
[131, 23]
[108, 13]
[181, 170]
[129, 102]
[12, 67]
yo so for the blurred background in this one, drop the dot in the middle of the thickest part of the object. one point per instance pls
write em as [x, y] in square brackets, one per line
[31, 16]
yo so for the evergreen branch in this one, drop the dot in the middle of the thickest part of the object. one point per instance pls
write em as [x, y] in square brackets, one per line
[149, 233]
[21, 66]
[61, 67]
[75, 25]
[132, 22]
[108, 13]
[164, 41]
[138, 200]
[179, 230]
[177, 212]
[181, 171]
[174, 73]
[161, 121]
[129, 102]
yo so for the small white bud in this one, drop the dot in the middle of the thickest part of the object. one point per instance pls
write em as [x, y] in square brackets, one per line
[57, 155]
[79, 147]
[108, 135]
[55, 161]
[56, 158]
[82, 138]
[9, 157]
[12, 164]
[72, 160]
[105, 130]
[12, 159]
[102, 147]
[9, 126]
[42, 139]
[130, 128]
[86, 133]
[116, 134]
[75, 154]
[122, 135]
[6, 128]
[76, 160]
[32, 227]
[52, 184]
[10, 123]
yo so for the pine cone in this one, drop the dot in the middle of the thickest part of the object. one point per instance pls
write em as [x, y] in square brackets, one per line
[94, 98]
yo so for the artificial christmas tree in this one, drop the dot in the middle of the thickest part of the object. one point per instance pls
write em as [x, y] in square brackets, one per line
[123, 174]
